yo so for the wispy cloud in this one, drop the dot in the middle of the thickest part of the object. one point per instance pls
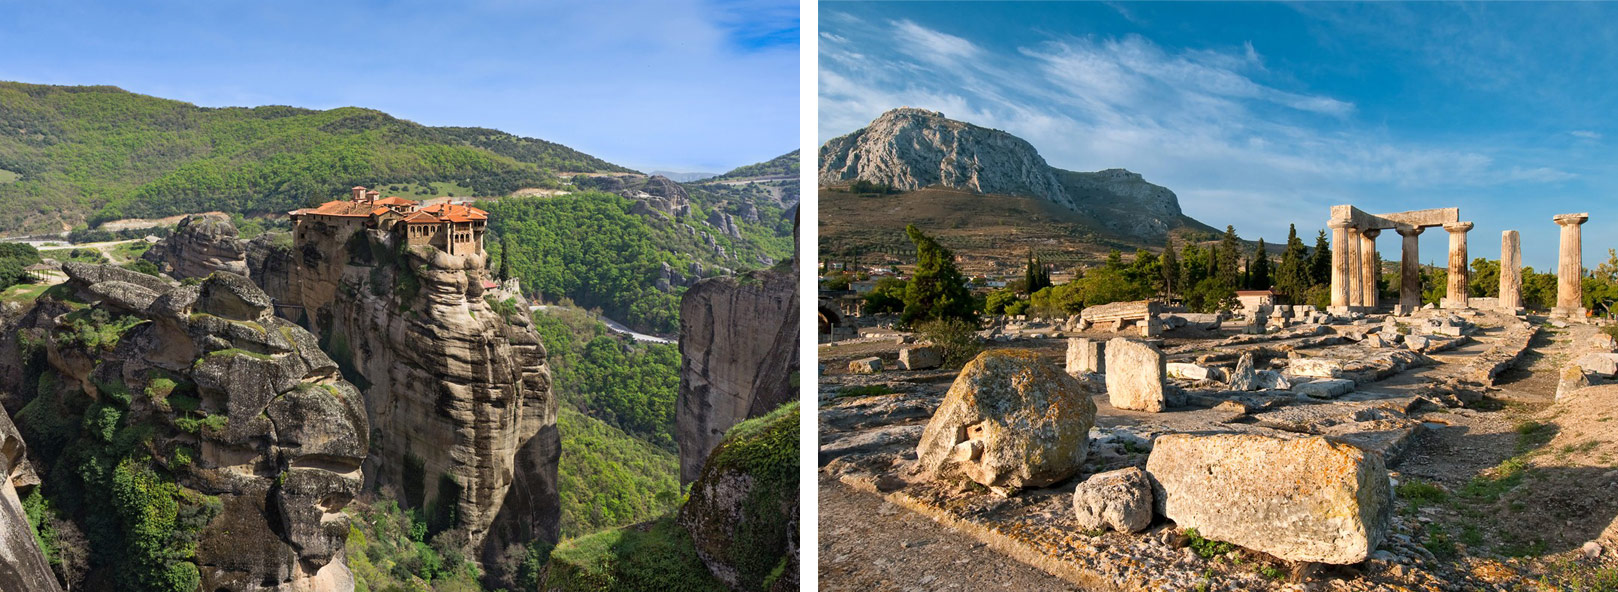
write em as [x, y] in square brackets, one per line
[1586, 134]
[932, 46]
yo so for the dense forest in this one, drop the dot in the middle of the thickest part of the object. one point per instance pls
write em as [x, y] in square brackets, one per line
[785, 165]
[76, 154]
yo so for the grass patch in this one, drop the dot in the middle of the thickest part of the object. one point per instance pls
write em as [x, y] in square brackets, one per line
[1420, 493]
[1205, 547]
[1438, 543]
[1573, 576]
[1532, 434]
[870, 390]
[660, 557]
[22, 293]
[1489, 486]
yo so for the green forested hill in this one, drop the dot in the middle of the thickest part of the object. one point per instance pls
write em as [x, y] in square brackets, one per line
[76, 154]
[785, 165]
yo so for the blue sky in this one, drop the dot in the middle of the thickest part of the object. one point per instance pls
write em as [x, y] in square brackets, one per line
[686, 85]
[1260, 115]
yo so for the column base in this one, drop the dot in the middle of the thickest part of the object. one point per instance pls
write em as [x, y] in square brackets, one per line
[1405, 309]
[1560, 312]
[1446, 303]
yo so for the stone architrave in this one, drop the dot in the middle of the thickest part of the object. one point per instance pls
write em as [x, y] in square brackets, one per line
[1339, 265]
[1455, 294]
[1409, 269]
[1570, 268]
[1510, 272]
[1368, 267]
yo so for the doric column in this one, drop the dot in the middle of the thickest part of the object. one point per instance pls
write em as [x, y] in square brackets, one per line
[1455, 295]
[1339, 265]
[1510, 272]
[1570, 268]
[1356, 294]
[1410, 269]
[1368, 267]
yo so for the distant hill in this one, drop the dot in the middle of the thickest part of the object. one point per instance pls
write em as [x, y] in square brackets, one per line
[76, 154]
[945, 174]
[684, 177]
[785, 165]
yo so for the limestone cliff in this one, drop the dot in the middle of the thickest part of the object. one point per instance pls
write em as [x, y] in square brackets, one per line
[738, 356]
[742, 512]
[22, 564]
[455, 379]
[204, 384]
[911, 149]
[201, 244]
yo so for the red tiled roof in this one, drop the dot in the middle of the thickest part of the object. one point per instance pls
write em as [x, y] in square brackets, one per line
[338, 208]
[394, 200]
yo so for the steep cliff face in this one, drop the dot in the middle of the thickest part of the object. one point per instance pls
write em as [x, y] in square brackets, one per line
[203, 387]
[22, 564]
[201, 244]
[910, 149]
[742, 512]
[455, 379]
[739, 357]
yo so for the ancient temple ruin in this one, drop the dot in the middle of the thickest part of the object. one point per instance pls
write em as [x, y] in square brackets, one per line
[1354, 261]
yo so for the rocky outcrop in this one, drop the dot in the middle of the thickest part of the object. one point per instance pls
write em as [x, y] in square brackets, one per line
[22, 564]
[742, 512]
[910, 149]
[1305, 499]
[201, 244]
[243, 406]
[656, 194]
[738, 357]
[457, 388]
[269, 263]
[724, 223]
[1010, 421]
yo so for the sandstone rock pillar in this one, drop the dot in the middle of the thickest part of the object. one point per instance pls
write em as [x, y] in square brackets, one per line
[1510, 272]
[1570, 268]
[1409, 269]
[1455, 295]
[1368, 267]
[1356, 293]
[1339, 265]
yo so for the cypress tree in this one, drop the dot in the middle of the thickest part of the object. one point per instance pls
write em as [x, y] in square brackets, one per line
[1171, 270]
[1229, 257]
[937, 290]
[1320, 261]
[1260, 267]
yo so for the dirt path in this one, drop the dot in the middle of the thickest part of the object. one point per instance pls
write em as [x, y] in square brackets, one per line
[867, 543]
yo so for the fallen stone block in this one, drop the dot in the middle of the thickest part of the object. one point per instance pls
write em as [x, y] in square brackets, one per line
[1315, 367]
[1135, 374]
[1304, 499]
[920, 358]
[1085, 355]
[1330, 388]
[1189, 371]
[1010, 420]
[1417, 342]
[1120, 500]
[1603, 364]
[865, 366]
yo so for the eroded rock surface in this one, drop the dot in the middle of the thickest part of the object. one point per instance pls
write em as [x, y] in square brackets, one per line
[201, 244]
[738, 357]
[1304, 499]
[1009, 421]
[743, 509]
[1120, 500]
[1135, 373]
[22, 564]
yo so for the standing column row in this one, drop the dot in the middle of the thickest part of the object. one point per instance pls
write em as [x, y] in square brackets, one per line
[1409, 269]
[1340, 265]
[1369, 263]
[1455, 295]
[1570, 268]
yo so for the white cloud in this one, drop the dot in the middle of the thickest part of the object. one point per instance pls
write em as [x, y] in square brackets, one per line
[932, 46]
[1586, 134]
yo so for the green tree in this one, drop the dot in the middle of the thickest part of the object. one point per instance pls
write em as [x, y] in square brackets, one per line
[1171, 270]
[1259, 268]
[888, 296]
[1320, 261]
[1035, 276]
[1485, 280]
[1229, 257]
[1292, 276]
[937, 290]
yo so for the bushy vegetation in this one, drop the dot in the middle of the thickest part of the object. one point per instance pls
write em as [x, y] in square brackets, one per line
[609, 479]
[14, 260]
[657, 559]
[100, 153]
[955, 339]
[389, 550]
[630, 385]
[785, 165]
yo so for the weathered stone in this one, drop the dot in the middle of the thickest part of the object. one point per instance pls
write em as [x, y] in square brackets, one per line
[1135, 373]
[872, 365]
[1571, 379]
[1601, 363]
[742, 509]
[1120, 500]
[1270, 380]
[1244, 378]
[1085, 355]
[1570, 267]
[1009, 421]
[22, 563]
[920, 358]
[1315, 367]
[201, 244]
[1189, 371]
[1330, 388]
[1306, 499]
[1417, 342]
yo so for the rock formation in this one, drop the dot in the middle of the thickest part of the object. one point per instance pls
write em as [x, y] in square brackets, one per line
[1304, 499]
[1120, 500]
[201, 244]
[738, 356]
[1009, 421]
[22, 564]
[244, 407]
[455, 378]
[653, 195]
[743, 509]
[910, 149]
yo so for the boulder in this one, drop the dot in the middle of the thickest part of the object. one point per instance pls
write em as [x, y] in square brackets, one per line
[870, 365]
[1572, 379]
[1010, 420]
[920, 358]
[1417, 343]
[1189, 371]
[1330, 388]
[1135, 372]
[1315, 367]
[1300, 499]
[1604, 364]
[1120, 500]
[1244, 378]
[1085, 355]
[742, 509]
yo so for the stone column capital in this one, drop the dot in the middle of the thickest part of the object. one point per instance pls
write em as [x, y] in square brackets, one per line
[1371, 232]
[1458, 227]
[1335, 224]
[1409, 230]
[1571, 219]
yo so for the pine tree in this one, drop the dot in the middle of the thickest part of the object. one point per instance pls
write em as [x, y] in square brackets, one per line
[1292, 277]
[1320, 261]
[1260, 268]
[937, 290]
[1229, 258]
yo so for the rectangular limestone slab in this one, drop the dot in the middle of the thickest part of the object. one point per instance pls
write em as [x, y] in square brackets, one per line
[1135, 373]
